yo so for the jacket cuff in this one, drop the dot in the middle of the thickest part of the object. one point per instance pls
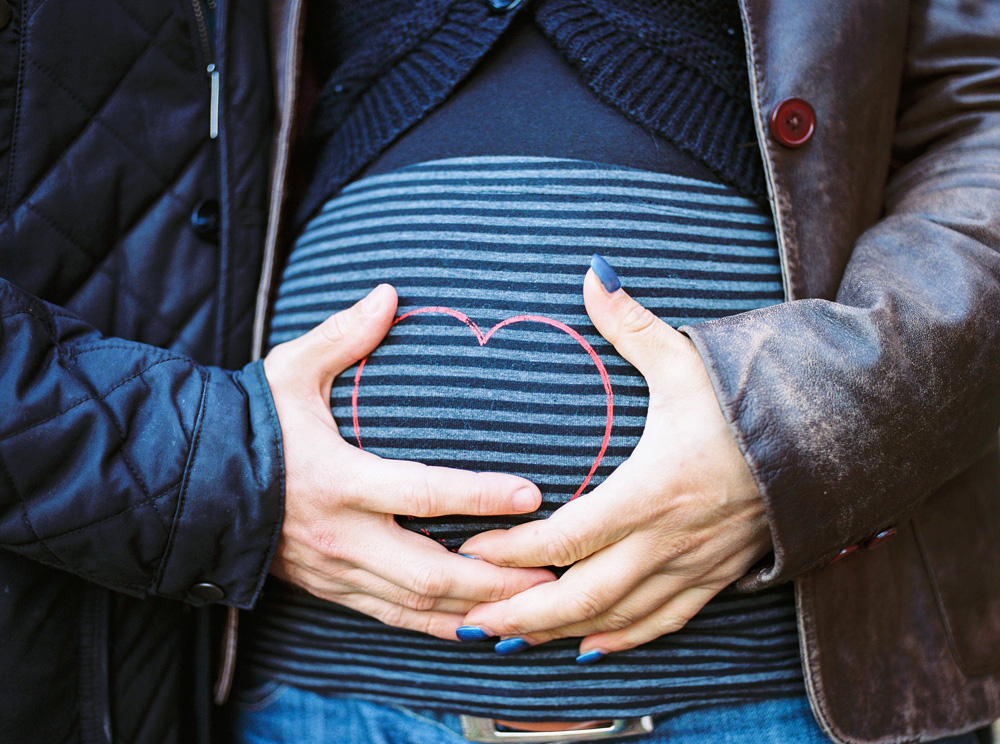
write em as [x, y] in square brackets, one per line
[228, 519]
[765, 407]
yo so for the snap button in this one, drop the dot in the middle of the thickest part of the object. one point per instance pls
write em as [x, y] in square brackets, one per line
[207, 592]
[844, 553]
[5, 14]
[793, 122]
[205, 220]
[502, 6]
[880, 538]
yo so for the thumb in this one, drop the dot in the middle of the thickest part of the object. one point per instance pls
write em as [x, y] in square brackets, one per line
[636, 333]
[342, 339]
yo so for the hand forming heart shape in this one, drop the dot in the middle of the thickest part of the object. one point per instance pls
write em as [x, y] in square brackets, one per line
[483, 339]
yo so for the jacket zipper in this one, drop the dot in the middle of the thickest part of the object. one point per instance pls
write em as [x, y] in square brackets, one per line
[211, 69]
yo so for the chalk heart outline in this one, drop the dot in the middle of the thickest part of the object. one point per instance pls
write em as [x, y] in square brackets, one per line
[483, 339]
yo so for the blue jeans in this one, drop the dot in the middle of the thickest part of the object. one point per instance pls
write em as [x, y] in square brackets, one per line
[274, 712]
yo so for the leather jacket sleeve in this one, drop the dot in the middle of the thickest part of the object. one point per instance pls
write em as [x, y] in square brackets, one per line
[131, 466]
[851, 412]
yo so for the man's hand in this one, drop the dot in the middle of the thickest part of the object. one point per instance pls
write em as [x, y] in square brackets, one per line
[339, 539]
[672, 526]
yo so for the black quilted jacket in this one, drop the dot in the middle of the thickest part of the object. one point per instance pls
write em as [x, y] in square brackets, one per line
[137, 477]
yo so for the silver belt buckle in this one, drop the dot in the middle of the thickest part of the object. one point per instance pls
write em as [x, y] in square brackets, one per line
[485, 730]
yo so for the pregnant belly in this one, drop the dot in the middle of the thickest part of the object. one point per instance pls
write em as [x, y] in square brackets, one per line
[492, 363]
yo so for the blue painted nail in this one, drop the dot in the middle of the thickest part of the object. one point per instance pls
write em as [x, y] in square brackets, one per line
[511, 646]
[590, 657]
[609, 279]
[471, 633]
[473, 557]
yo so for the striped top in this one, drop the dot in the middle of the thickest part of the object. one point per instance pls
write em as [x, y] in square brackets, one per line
[494, 365]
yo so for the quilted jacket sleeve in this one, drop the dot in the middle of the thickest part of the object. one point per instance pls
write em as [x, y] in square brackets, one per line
[851, 412]
[131, 466]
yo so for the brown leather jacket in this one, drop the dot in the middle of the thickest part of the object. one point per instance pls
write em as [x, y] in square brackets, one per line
[872, 398]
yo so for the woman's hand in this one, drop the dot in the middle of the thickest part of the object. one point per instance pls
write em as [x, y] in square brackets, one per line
[673, 525]
[340, 540]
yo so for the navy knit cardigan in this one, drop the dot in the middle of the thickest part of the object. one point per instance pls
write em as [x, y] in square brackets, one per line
[677, 67]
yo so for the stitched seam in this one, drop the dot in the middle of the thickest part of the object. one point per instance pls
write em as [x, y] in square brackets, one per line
[24, 513]
[98, 346]
[136, 300]
[155, 43]
[37, 8]
[185, 482]
[98, 263]
[95, 118]
[28, 427]
[156, 497]
[123, 439]
[175, 332]
[16, 128]
[111, 94]
[52, 223]
[19, 312]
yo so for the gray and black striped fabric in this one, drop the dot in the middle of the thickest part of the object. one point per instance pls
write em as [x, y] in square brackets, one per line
[500, 245]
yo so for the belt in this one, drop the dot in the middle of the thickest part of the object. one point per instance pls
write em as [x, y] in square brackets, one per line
[494, 730]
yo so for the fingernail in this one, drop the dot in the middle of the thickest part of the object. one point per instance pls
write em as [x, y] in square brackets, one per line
[372, 304]
[525, 500]
[511, 646]
[466, 555]
[591, 657]
[609, 279]
[471, 633]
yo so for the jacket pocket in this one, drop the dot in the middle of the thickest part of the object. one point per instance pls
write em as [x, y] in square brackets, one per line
[958, 531]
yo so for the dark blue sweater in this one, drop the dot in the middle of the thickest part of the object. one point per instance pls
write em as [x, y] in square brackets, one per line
[677, 67]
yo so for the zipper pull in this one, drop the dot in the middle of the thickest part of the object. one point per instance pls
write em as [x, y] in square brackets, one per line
[213, 106]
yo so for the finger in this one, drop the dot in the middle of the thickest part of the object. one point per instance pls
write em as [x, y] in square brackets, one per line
[438, 624]
[635, 332]
[334, 581]
[572, 532]
[414, 489]
[669, 618]
[643, 600]
[586, 591]
[341, 340]
[420, 565]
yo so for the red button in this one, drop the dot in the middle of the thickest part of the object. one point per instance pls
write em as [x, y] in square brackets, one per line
[880, 538]
[793, 122]
[844, 553]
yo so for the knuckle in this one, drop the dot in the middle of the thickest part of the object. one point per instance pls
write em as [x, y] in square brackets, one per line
[680, 545]
[638, 320]
[482, 495]
[560, 548]
[430, 580]
[322, 540]
[501, 589]
[416, 601]
[334, 329]
[614, 620]
[421, 494]
[428, 624]
[586, 604]
[393, 615]
[671, 622]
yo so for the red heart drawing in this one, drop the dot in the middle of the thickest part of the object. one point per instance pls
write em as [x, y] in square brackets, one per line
[483, 339]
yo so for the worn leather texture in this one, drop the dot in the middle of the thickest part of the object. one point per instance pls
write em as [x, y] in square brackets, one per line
[873, 398]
